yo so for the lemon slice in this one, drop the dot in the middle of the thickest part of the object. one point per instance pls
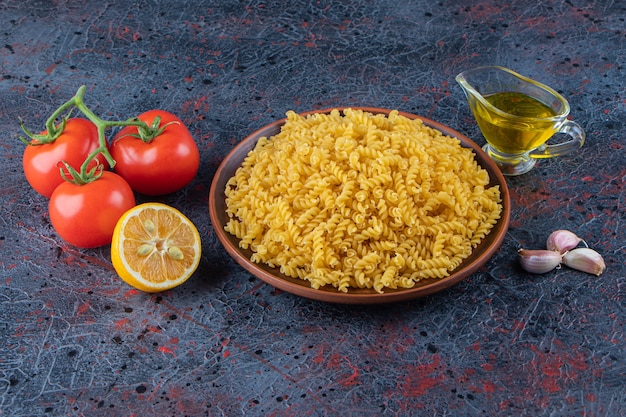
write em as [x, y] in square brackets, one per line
[155, 247]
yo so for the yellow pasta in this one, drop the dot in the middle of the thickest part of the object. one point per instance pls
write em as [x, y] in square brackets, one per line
[361, 200]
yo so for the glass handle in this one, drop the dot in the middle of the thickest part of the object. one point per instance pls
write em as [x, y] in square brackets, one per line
[570, 128]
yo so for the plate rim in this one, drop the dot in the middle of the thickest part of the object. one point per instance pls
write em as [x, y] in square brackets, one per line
[357, 296]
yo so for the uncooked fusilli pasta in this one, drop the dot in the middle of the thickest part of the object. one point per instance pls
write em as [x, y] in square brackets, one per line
[355, 199]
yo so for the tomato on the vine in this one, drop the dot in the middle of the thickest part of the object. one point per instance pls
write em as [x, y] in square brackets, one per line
[85, 215]
[41, 160]
[159, 165]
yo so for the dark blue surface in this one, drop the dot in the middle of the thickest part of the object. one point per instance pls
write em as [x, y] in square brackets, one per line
[77, 341]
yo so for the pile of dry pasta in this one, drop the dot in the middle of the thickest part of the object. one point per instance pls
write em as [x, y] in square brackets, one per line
[361, 200]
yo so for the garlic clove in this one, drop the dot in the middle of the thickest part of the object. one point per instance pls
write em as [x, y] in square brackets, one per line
[586, 260]
[538, 261]
[562, 241]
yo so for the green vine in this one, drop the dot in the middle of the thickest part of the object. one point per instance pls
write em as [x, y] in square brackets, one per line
[88, 173]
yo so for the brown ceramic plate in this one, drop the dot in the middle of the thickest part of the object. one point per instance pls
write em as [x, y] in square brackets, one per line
[272, 276]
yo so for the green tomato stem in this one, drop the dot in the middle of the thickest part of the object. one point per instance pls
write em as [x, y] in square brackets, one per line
[101, 125]
[53, 131]
[86, 175]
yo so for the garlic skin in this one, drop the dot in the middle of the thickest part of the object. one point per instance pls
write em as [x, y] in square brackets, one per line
[538, 261]
[586, 260]
[562, 241]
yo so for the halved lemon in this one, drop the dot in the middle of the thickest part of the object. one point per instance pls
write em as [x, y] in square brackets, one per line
[155, 247]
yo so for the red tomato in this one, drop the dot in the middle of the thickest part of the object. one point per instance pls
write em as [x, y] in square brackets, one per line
[85, 215]
[161, 166]
[40, 162]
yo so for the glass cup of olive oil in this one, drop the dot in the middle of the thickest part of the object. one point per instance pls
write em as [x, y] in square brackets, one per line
[517, 116]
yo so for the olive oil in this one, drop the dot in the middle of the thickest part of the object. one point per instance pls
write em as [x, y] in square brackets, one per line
[514, 135]
[518, 117]
[519, 104]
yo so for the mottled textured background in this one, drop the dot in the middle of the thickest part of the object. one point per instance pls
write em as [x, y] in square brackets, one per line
[76, 341]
